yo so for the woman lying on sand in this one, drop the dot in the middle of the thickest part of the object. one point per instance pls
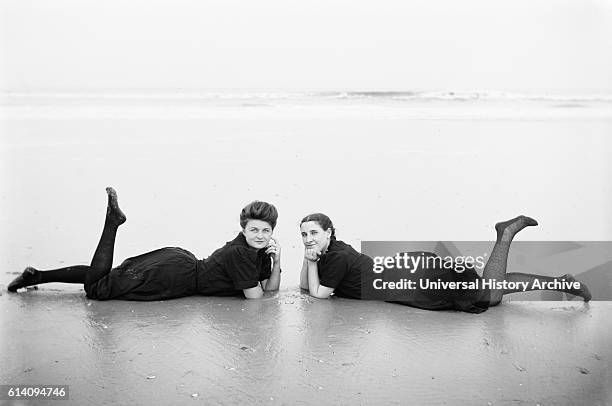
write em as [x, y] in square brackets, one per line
[332, 266]
[249, 264]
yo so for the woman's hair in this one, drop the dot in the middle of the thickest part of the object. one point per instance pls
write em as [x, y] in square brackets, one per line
[257, 210]
[323, 221]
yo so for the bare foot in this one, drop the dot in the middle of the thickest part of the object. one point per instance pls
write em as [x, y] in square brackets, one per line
[30, 276]
[113, 211]
[506, 230]
[583, 292]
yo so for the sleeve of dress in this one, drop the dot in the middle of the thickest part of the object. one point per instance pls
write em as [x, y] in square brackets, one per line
[241, 266]
[332, 269]
[266, 268]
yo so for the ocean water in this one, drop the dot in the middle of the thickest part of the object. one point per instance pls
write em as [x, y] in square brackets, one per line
[383, 165]
[408, 104]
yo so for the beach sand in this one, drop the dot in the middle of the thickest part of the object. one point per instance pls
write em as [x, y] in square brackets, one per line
[381, 172]
[292, 349]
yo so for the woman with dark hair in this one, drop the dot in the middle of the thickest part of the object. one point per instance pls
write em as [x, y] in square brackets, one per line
[332, 266]
[249, 264]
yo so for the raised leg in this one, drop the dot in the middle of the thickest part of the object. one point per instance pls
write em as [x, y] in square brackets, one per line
[100, 264]
[102, 260]
[496, 266]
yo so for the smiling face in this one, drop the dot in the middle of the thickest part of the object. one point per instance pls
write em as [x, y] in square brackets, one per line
[314, 236]
[257, 233]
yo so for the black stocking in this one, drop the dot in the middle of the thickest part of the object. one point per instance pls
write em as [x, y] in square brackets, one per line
[101, 262]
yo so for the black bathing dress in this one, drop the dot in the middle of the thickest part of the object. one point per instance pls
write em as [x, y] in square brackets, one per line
[351, 275]
[173, 272]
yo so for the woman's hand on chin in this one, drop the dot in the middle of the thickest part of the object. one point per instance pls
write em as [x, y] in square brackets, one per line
[312, 254]
[274, 249]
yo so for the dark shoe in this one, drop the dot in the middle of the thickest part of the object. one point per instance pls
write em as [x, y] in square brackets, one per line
[29, 277]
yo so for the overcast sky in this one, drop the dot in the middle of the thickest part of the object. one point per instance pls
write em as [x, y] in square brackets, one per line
[515, 45]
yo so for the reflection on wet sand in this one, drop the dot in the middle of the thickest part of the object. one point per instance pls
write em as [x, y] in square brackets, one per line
[290, 348]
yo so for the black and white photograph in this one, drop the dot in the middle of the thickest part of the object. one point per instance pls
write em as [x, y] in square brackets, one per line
[306, 202]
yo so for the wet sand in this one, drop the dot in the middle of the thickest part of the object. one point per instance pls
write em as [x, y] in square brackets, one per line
[419, 172]
[292, 349]
[183, 181]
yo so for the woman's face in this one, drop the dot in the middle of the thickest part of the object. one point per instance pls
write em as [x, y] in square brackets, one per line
[257, 233]
[314, 236]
